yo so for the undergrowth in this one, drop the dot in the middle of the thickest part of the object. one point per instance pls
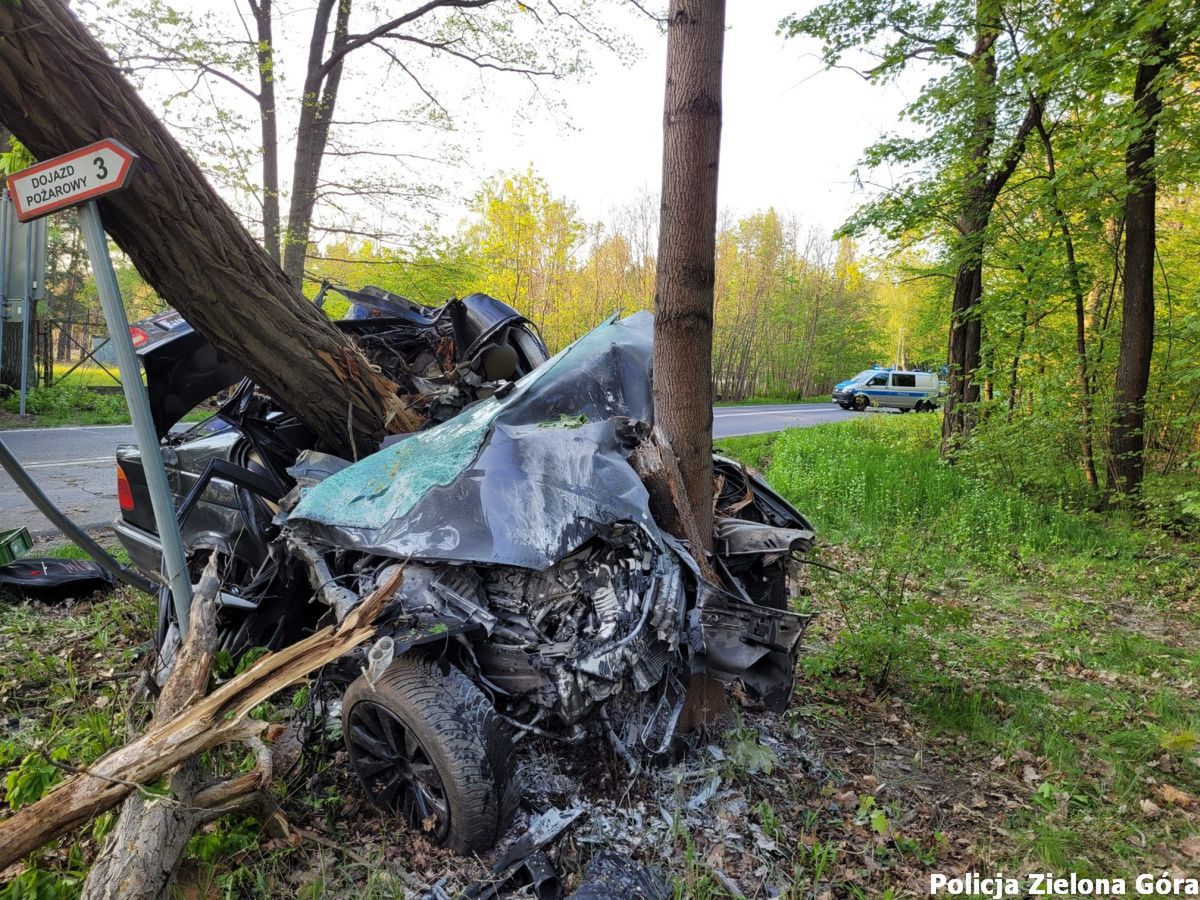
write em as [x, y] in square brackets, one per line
[1049, 652]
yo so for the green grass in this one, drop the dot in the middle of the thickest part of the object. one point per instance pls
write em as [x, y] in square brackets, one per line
[879, 478]
[68, 402]
[72, 402]
[1048, 655]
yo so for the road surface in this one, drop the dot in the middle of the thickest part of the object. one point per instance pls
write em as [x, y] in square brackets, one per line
[75, 467]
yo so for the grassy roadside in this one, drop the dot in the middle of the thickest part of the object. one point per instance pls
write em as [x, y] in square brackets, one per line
[1045, 660]
[72, 403]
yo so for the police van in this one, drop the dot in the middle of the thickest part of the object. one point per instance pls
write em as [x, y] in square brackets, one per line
[889, 389]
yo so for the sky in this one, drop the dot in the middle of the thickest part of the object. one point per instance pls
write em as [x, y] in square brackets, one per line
[792, 131]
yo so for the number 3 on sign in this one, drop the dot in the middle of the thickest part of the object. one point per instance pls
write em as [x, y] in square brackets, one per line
[101, 170]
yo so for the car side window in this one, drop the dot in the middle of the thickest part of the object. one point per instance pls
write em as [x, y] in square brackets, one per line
[902, 379]
[877, 380]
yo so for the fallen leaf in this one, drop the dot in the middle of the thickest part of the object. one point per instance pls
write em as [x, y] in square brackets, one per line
[1150, 808]
[1190, 847]
[1030, 775]
[1175, 796]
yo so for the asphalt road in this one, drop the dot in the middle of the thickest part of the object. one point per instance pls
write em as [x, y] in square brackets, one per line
[75, 466]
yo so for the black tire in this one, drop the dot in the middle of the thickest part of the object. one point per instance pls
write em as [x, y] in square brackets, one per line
[426, 743]
[861, 402]
[844, 405]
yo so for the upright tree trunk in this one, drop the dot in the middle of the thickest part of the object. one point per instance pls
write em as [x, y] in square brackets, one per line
[269, 125]
[683, 302]
[981, 188]
[1127, 463]
[312, 134]
[60, 91]
[1081, 358]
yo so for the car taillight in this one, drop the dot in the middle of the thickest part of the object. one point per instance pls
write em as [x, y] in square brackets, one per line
[124, 493]
[139, 337]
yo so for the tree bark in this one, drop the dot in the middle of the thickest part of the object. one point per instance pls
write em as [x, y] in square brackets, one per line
[59, 91]
[683, 302]
[981, 188]
[268, 125]
[312, 134]
[140, 856]
[1127, 440]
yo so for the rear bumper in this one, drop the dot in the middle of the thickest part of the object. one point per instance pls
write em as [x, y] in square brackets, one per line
[143, 548]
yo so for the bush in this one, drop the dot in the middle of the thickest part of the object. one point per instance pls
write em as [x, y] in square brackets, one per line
[70, 400]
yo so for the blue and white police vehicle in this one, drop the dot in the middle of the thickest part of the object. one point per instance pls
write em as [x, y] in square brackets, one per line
[888, 389]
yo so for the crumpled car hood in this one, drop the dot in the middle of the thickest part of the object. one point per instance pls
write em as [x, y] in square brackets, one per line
[519, 480]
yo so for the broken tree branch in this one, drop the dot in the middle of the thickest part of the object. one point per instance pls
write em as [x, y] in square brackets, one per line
[215, 720]
[655, 464]
[140, 856]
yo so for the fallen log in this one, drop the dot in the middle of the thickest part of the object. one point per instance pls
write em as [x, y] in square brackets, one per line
[212, 721]
[141, 855]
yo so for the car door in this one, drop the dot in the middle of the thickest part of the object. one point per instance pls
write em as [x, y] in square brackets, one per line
[903, 390]
[877, 389]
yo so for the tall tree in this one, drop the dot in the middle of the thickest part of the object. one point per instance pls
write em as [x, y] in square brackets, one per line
[1127, 441]
[683, 302]
[975, 138]
[1076, 285]
[532, 39]
[59, 91]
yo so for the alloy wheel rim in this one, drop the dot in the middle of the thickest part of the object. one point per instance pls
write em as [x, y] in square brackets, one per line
[396, 770]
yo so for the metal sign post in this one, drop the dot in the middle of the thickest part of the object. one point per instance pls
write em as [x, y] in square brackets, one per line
[22, 278]
[26, 315]
[80, 177]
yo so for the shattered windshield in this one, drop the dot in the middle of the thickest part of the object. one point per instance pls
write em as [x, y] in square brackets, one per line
[549, 450]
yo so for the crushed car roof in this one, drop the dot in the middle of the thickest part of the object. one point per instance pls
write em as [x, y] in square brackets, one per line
[518, 480]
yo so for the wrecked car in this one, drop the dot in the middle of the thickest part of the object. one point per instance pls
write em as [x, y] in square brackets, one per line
[540, 595]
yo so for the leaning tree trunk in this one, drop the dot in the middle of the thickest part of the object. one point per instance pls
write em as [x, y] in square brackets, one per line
[683, 302]
[58, 91]
[1127, 463]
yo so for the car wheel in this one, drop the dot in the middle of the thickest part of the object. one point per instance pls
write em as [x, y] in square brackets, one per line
[426, 744]
[861, 402]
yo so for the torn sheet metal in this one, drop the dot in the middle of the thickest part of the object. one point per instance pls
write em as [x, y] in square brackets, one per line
[614, 876]
[505, 483]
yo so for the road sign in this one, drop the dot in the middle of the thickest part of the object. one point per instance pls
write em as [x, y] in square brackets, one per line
[14, 236]
[70, 179]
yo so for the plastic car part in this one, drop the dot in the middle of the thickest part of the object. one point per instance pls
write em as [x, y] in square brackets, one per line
[51, 575]
[614, 876]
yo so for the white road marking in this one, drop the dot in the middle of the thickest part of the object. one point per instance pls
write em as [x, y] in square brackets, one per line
[767, 412]
[9, 432]
[62, 463]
